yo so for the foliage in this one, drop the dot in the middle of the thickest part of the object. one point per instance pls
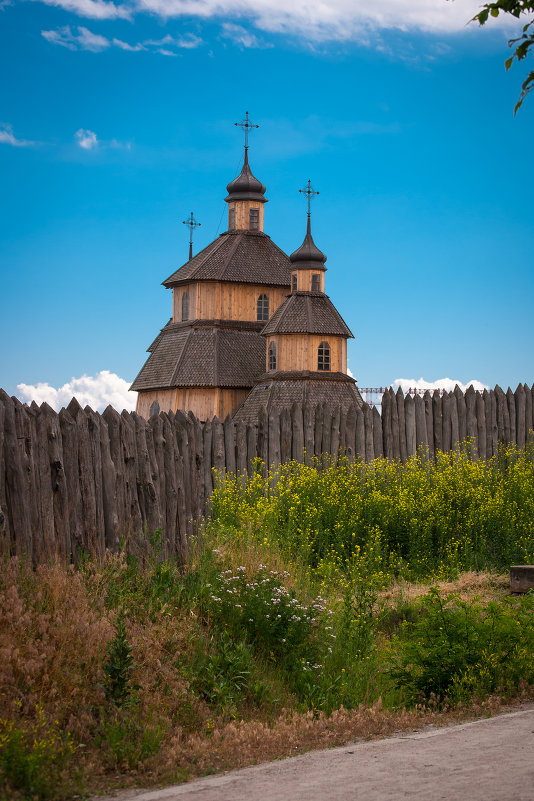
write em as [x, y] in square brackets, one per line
[523, 43]
[455, 650]
[118, 665]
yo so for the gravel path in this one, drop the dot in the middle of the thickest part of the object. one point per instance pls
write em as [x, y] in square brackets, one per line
[487, 760]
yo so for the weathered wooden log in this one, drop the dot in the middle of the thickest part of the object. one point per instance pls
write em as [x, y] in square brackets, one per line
[113, 423]
[229, 445]
[5, 544]
[274, 439]
[520, 416]
[387, 428]
[429, 422]
[91, 540]
[438, 424]
[411, 432]
[359, 449]
[503, 418]
[252, 448]
[25, 426]
[184, 431]
[399, 402]
[529, 421]
[486, 396]
[133, 516]
[308, 422]
[420, 427]
[46, 495]
[470, 405]
[446, 423]
[172, 537]
[146, 465]
[155, 424]
[369, 440]
[377, 433]
[462, 416]
[207, 477]
[197, 456]
[327, 429]
[241, 448]
[510, 402]
[480, 409]
[318, 431]
[60, 499]
[455, 423]
[218, 448]
[343, 433]
[395, 425]
[263, 440]
[297, 425]
[351, 433]
[334, 434]
[285, 435]
[494, 428]
[184, 504]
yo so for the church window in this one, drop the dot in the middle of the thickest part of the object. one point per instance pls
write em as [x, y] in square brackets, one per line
[254, 218]
[272, 356]
[294, 282]
[185, 306]
[323, 356]
[263, 307]
[315, 283]
[231, 218]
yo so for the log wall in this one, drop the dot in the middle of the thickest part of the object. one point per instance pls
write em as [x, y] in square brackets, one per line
[78, 481]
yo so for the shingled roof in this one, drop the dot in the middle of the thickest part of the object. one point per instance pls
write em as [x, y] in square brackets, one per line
[249, 257]
[284, 390]
[307, 313]
[202, 357]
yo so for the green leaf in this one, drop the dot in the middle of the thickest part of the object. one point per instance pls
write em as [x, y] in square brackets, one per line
[494, 12]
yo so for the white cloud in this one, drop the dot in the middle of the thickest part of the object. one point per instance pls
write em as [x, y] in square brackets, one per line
[98, 391]
[83, 40]
[125, 46]
[241, 36]
[7, 137]
[86, 139]
[447, 384]
[93, 9]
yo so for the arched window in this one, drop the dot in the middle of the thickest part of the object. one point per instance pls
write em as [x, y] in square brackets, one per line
[185, 306]
[263, 307]
[294, 282]
[323, 356]
[272, 356]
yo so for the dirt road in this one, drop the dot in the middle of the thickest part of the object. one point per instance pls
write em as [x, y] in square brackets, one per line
[488, 760]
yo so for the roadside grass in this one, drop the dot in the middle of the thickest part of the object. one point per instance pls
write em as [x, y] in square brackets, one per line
[131, 671]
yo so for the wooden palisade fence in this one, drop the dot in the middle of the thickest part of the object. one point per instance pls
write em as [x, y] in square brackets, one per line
[78, 481]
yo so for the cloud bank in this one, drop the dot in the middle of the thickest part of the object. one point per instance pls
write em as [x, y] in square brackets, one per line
[342, 20]
[98, 391]
[447, 384]
[81, 38]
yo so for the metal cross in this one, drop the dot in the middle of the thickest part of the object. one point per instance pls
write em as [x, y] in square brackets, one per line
[310, 191]
[192, 224]
[246, 126]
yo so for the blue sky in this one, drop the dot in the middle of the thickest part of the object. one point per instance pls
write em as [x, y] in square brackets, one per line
[117, 121]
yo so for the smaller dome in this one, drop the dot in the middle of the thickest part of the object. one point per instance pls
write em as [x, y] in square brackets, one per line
[245, 186]
[308, 252]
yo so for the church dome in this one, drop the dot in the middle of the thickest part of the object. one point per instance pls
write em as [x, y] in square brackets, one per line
[308, 254]
[246, 186]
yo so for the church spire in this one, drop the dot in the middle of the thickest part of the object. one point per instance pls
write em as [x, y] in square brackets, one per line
[246, 186]
[308, 254]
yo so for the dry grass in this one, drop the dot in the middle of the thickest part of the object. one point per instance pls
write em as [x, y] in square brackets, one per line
[471, 585]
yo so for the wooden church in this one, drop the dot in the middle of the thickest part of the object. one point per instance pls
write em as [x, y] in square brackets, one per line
[250, 327]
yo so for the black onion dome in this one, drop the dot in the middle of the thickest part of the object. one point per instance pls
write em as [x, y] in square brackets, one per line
[245, 186]
[308, 254]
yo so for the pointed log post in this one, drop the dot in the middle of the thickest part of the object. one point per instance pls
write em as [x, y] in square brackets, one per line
[486, 396]
[399, 402]
[183, 502]
[229, 445]
[263, 440]
[49, 551]
[480, 409]
[19, 513]
[171, 489]
[155, 424]
[285, 435]
[334, 434]
[193, 474]
[529, 422]
[241, 448]
[420, 427]
[438, 426]
[133, 514]
[146, 467]
[25, 425]
[318, 432]
[387, 430]
[327, 429]
[411, 433]
[369, 441]
[494, 428]
[462, 416]
[360, 434]
[377, 434]
[455, 424]
[510, 402]
[113, 421]
[207, 477]
[503, 418]
[520, 416]
[252, 448]
[351, 433]
[91, 540]
[446, 423]
[343, 433]
[274, 439]
[197, 456]
[470, 404]
[297, 424]
[60, 499]
[218, 449]
[308, 421]
[5, 534]
[395, 425]
[184, 429]
[429, 422]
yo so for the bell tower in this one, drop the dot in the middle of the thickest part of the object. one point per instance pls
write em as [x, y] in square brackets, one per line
[246, 195]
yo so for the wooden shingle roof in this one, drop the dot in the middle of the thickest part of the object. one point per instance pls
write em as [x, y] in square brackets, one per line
[307, 313]
[240, 256]
[202, 357]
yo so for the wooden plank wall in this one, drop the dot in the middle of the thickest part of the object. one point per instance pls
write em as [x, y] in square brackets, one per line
[78, 481]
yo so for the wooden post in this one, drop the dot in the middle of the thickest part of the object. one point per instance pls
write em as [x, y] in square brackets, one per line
[486, 397]
[60, 501]
[494, 428]
[297, 424]
[155, 427]
[480, 409]
[387, 429]
[207, 476]
[229, 445]
[429, 422]
[343, 432]
[263, 440]
[334, 434]
[113, 422]
[327, 424]
[91, 540]
[462, 416]
[285, 435]
[446, 423]
[377, 434]
[274, 439]
[399, 402]
[411, 436]
[308, 421]
[470, 404]
[318, 431]
[241, 448]
[528, 414]
[26, 431]
[510, 402]
[218, 448]
[455, 424]
[420, 427]
[252, 448]
[171, 490]
[437, 415]
[146, 466]
[5, 544]
[369, 441]
[351, 433]
[520, 416]
[360, 434]
[132, 494]
[503, 418]
[395, 425]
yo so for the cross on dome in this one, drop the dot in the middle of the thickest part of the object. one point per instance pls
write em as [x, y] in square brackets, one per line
[310, 192]
[191, 224]
[246, 126]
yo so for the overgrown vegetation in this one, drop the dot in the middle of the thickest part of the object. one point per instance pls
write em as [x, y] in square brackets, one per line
[292, 626]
